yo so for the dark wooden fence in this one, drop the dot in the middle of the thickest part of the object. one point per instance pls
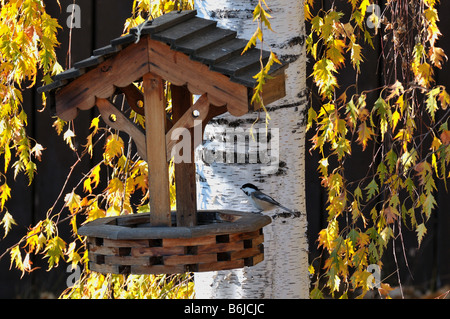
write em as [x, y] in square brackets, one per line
[102, 20]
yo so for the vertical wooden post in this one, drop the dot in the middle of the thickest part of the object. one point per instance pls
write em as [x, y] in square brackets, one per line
[186, 192]
[158, 172]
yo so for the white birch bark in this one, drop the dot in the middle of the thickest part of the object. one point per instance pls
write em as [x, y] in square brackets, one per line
[283, 273]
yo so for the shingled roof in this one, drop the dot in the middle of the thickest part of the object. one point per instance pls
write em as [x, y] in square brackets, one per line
[179, 47]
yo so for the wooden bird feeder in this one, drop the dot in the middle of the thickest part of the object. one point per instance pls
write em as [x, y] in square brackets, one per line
[196, 57]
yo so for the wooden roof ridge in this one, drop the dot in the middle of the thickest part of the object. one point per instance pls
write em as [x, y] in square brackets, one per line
[147, 48]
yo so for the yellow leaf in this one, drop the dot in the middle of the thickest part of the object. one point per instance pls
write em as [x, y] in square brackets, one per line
[364, 134]
[356, 56]
[311, 270]
[395, 118]
[73, 202]
[16, 257]
[87, 185]
[95, 175]
[115, 185]
[5, 194]
[54, 251]
[363, 7]
[334, 52]
[444, 98]
[94, 125]
[7, 223]
[113, 147]
[95, 212]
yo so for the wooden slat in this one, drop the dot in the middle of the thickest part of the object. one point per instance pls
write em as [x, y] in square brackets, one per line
[134, 96]
[157, 251]
[125, 243]
[241, 62]
[206, 240]
[101, 250]
[182, 31]
[257, 259]
[221, 52]
[208, 39]
[165, 21]
[158, 172]
[122, 123]
[179, 69]
[189, 259]
[244, 236]
[186, 190]
[69, 74]
[220, 248]
[109, 49]
[127, 66]
[89, 62]
[127, 260]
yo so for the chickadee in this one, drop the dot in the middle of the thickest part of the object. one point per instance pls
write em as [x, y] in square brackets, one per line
[260, 200]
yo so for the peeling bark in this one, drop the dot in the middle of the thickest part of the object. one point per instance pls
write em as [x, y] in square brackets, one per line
[283, 273]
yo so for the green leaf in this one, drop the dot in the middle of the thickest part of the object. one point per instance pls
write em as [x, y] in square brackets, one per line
[428, 205]
[54, 251]
[421, 230]
[323, 74]
[431, 103]
[391, 158]
[372, 189]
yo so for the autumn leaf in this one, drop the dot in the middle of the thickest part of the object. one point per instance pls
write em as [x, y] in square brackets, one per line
[7, 222]
[16, 258]
[87, 186]
[444, 99]
[323, 73]
[5, 194]
[372, 189]
[72, 254]
[113, 147]
[95, 176]
[73, 202]
[94, 212]
[421, 230]
[385, 289]
[364, 134]
[391, 214]
[54, 251]
[68, 136]
[355, 55]
[445, 137]
[335, 52]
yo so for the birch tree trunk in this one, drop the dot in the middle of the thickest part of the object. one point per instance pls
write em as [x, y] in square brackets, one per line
[224, 166]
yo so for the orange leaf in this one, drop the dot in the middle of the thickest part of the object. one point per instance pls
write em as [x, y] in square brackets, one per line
[445, 137]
